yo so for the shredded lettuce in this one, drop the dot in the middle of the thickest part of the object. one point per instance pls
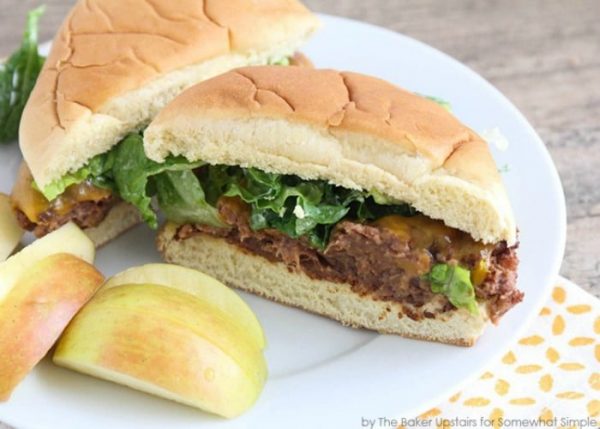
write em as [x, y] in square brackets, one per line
[455, 283]
[182, 199]
[95, 170]
[132, 172]
[294, 206]
[57, 187]
[187, 192]
[127, 171]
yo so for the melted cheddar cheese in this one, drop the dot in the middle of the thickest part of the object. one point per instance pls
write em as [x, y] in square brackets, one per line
[426, 235]
[32, 202]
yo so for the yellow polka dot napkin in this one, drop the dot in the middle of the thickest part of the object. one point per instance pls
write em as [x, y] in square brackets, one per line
[549, 379]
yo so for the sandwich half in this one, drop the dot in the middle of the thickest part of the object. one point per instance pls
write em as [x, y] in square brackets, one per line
[113, 65]
[341, 194]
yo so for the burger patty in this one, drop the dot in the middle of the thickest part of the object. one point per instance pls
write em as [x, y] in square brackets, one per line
[86, 214]
[377, 261]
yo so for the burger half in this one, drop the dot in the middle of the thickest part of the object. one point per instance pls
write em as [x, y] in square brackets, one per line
[113, 65]
[340, 194]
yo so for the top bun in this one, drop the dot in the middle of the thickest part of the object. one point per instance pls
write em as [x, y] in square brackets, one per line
[115, 63]
[353, 130]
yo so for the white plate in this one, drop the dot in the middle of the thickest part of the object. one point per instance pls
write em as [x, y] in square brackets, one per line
[322, 374]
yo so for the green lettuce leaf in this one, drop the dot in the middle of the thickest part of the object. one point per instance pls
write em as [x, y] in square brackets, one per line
[98, 170]
[445, 104]
[188, 192]
[18, 76]
[283, 61]
[132, 172]
[127, 171]
[294, 206]
[182, 199]
[57, 187]
[455, 283]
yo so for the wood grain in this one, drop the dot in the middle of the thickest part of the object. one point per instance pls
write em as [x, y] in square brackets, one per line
[543, 54]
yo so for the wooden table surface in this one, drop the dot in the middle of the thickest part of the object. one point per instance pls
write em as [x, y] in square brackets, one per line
[543, 54]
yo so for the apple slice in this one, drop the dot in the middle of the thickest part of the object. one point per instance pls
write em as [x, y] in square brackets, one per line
[198, 284]
[41, 289]
[34, 312]
[67, 239]
[168, 342]
[10, 231]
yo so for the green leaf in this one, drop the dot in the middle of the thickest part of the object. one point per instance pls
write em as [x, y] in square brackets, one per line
[445, 104]
[17, 78]
[98, 170]
[294, 206]
[127, 171]
[57, 187]
[182, 199]
[188, 192]
[455, 283]
[283, 61]
[132, 171]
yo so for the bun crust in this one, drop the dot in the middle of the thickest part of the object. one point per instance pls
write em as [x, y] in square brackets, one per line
[115, 63]
[354, 130]
[237, 268]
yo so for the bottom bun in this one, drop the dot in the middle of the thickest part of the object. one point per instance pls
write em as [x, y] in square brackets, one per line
[120, 218]
[238, 268]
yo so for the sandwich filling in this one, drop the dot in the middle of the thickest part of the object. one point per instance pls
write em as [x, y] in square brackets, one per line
[408, 260]
[83, 203]
[383, 248]
[385, 251]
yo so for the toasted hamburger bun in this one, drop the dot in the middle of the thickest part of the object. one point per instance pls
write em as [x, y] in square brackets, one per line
[353, 130]
[115, 63]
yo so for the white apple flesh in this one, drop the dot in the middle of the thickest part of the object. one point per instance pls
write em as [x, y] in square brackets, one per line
[67, 239]
[37, 308]
[41, 289]
[198, 284]
[167, 342]
[10, 231]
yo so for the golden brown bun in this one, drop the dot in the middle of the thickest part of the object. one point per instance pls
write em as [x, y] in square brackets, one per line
[115, 63]
[252, 273]
[355, 131]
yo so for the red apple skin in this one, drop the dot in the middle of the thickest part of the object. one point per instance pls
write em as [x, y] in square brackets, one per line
[37, 309]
